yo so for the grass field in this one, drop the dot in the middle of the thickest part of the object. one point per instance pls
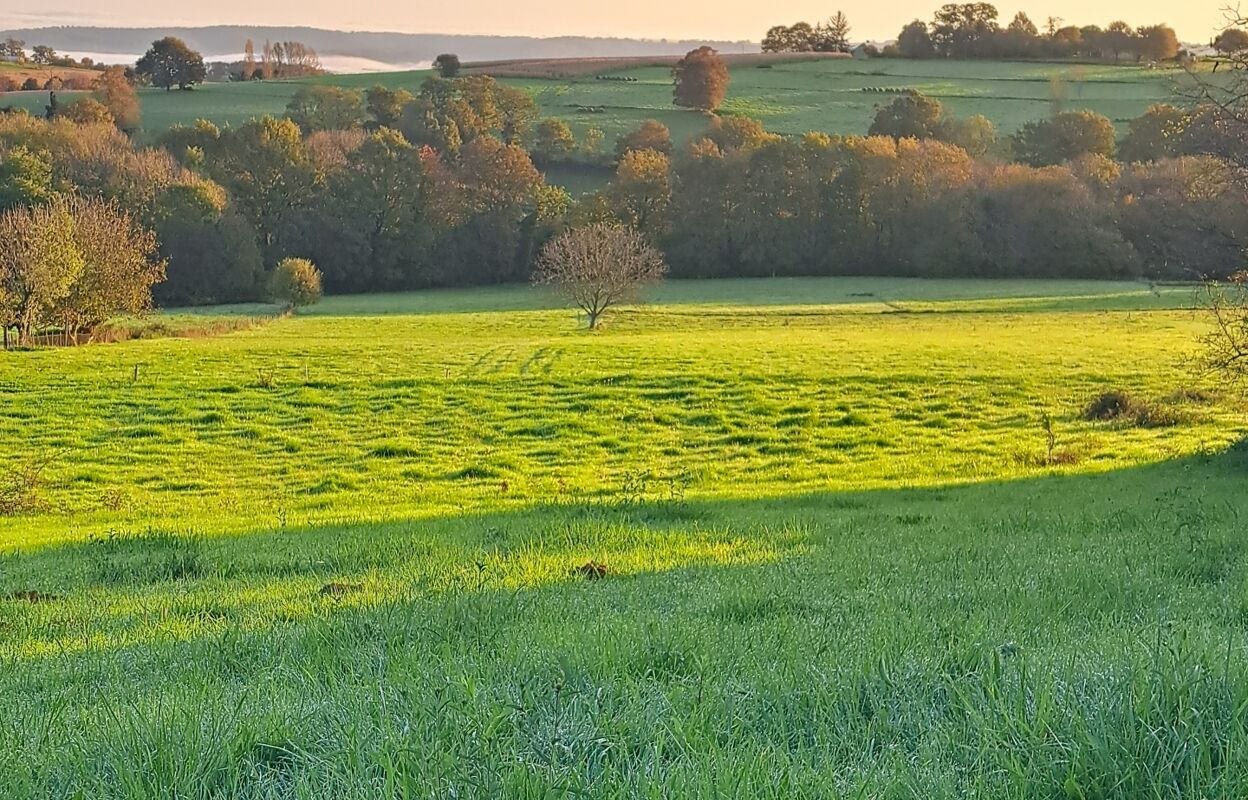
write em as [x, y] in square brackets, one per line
[20, 72]
[787, 538]
[791, 98]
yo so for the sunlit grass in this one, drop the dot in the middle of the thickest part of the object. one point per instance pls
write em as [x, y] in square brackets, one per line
[757, 538]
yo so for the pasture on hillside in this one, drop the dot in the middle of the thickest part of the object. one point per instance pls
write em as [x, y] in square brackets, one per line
[830, 95]
[758, 538]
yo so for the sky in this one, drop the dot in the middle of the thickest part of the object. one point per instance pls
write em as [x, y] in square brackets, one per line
[1195, 21]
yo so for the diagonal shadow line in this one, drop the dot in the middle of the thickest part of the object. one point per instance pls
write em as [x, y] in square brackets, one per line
[122, 592]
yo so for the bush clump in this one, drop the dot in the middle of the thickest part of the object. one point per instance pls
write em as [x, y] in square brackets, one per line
[1119, 406]
[296, 282]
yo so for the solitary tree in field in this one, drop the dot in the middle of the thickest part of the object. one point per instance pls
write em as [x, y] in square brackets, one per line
[598, 267]
[447, 65]
[701, 80]
[296, 282]
[169, 62]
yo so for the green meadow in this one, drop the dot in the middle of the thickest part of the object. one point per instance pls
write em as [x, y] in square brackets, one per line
[836, 538]
[791, 98]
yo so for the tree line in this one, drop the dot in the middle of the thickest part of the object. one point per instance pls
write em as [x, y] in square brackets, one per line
[393, 190]
[831, 36]
[973, 30]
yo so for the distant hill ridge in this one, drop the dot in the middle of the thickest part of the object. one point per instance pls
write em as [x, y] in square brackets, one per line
[379, 46]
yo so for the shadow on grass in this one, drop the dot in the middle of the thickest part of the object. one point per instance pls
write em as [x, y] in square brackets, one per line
[1107, 543]
[1072, 636]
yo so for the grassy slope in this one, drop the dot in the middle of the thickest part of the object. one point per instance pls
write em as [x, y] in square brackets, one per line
[789, 98]
[806, 598]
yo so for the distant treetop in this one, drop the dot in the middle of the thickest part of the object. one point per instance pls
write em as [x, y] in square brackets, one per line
[169, 62]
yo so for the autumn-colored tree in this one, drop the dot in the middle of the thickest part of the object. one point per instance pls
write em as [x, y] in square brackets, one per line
[39, 262]
[553, 140]
[517, 110]
[249, 60]
[116, 94]
[1064, 137]
[652, 135]
[976, 135]
[86, 111]
[1157, 133]
[1157, 43]
[120, 266]
[169, 62]
[642, 190]
[701, 80]
[386, 106]
[591, 143]
[739, 133]
[326, 108]
[1184, 217]
[599, 267]
[910, 116]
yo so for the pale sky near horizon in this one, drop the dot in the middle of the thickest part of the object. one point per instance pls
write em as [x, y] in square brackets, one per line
[1195, 21]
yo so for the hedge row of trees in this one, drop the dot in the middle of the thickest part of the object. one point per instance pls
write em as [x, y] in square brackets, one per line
[802, 37]
[745, 202]
[14, 49]
[973, 30]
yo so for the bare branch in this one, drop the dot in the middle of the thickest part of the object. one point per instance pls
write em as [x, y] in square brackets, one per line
[598, 267]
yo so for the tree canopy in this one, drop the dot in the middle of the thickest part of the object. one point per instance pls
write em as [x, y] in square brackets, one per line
[169, 62]
[701, 80]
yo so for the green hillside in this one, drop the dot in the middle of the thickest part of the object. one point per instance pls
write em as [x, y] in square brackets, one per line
[759, 539]
[832, 95]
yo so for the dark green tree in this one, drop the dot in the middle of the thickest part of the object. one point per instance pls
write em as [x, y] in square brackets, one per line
[169, 62]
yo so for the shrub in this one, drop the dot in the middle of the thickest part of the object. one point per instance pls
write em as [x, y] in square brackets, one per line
[1116, 405]
[296, 282]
